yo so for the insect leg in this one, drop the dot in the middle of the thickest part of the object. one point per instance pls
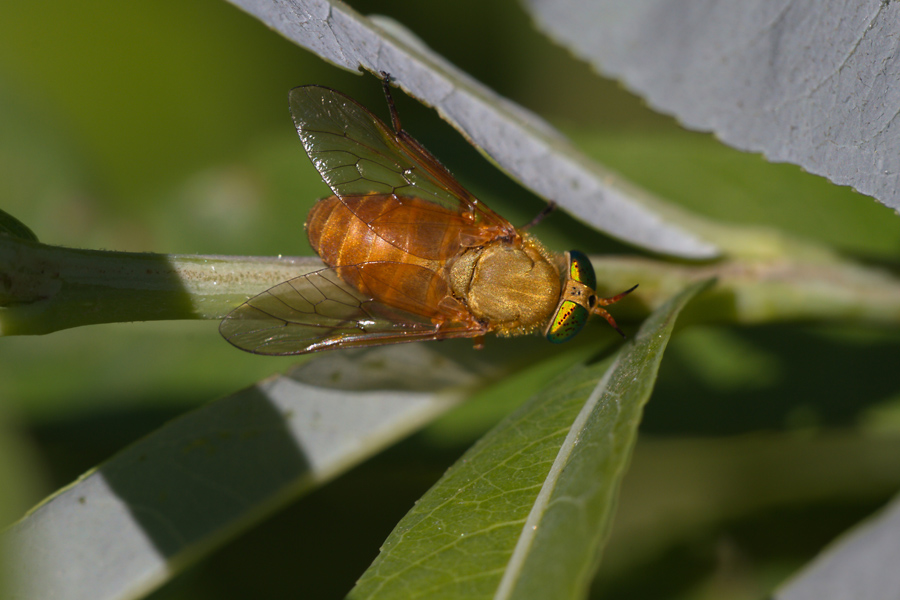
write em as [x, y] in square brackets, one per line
[551, 206]
[395, 116]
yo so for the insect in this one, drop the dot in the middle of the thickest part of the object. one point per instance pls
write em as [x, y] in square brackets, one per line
[411, 254]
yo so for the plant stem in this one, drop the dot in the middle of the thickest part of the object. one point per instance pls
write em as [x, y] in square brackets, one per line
[47, 288]
[758, 291]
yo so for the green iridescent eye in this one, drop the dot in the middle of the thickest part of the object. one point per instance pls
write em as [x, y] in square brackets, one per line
[567, 322]
[581, 269]
[573, 312]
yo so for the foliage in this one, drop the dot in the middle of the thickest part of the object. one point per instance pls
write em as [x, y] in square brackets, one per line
[766, 436]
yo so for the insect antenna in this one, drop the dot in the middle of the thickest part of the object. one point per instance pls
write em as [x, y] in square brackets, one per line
[598, 309]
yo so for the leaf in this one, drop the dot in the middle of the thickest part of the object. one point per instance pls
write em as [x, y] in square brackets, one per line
[11, 226]
[520, 142]
[525, 512]
[861, 565]
[810, 83]
[174, 496]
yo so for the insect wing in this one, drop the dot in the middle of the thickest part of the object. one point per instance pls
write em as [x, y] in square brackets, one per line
[358, 155]
[320, 311]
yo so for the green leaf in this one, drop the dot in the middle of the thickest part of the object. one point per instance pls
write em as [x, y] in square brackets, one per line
[525, 512]
[129, 525]
[11, 226]
[518, 141]
[751, 100]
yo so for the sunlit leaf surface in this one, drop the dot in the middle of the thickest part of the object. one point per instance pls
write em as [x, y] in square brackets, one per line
[519, 141]
[171, 497]
[537, 492]
[812, 83]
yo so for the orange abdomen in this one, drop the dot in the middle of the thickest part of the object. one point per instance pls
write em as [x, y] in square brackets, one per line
[367, 228]
[394, 251]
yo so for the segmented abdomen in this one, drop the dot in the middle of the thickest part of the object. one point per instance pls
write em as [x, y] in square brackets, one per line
[400, 247]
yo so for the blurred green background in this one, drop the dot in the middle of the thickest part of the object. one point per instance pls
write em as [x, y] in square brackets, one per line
[164, 127]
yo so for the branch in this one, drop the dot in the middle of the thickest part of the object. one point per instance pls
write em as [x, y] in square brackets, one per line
[48, 288]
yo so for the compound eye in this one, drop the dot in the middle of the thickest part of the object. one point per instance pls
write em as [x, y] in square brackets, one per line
[569, 319]
[574, 307]
[581, 269]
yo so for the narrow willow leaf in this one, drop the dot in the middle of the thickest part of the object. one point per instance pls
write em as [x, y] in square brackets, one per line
[863, 564]
[812, 83]
[141, 517]
[525, 512]
[520, 142]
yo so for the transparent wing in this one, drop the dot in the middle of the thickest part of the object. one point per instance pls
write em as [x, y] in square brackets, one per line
[320, 311]
[358, 155]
